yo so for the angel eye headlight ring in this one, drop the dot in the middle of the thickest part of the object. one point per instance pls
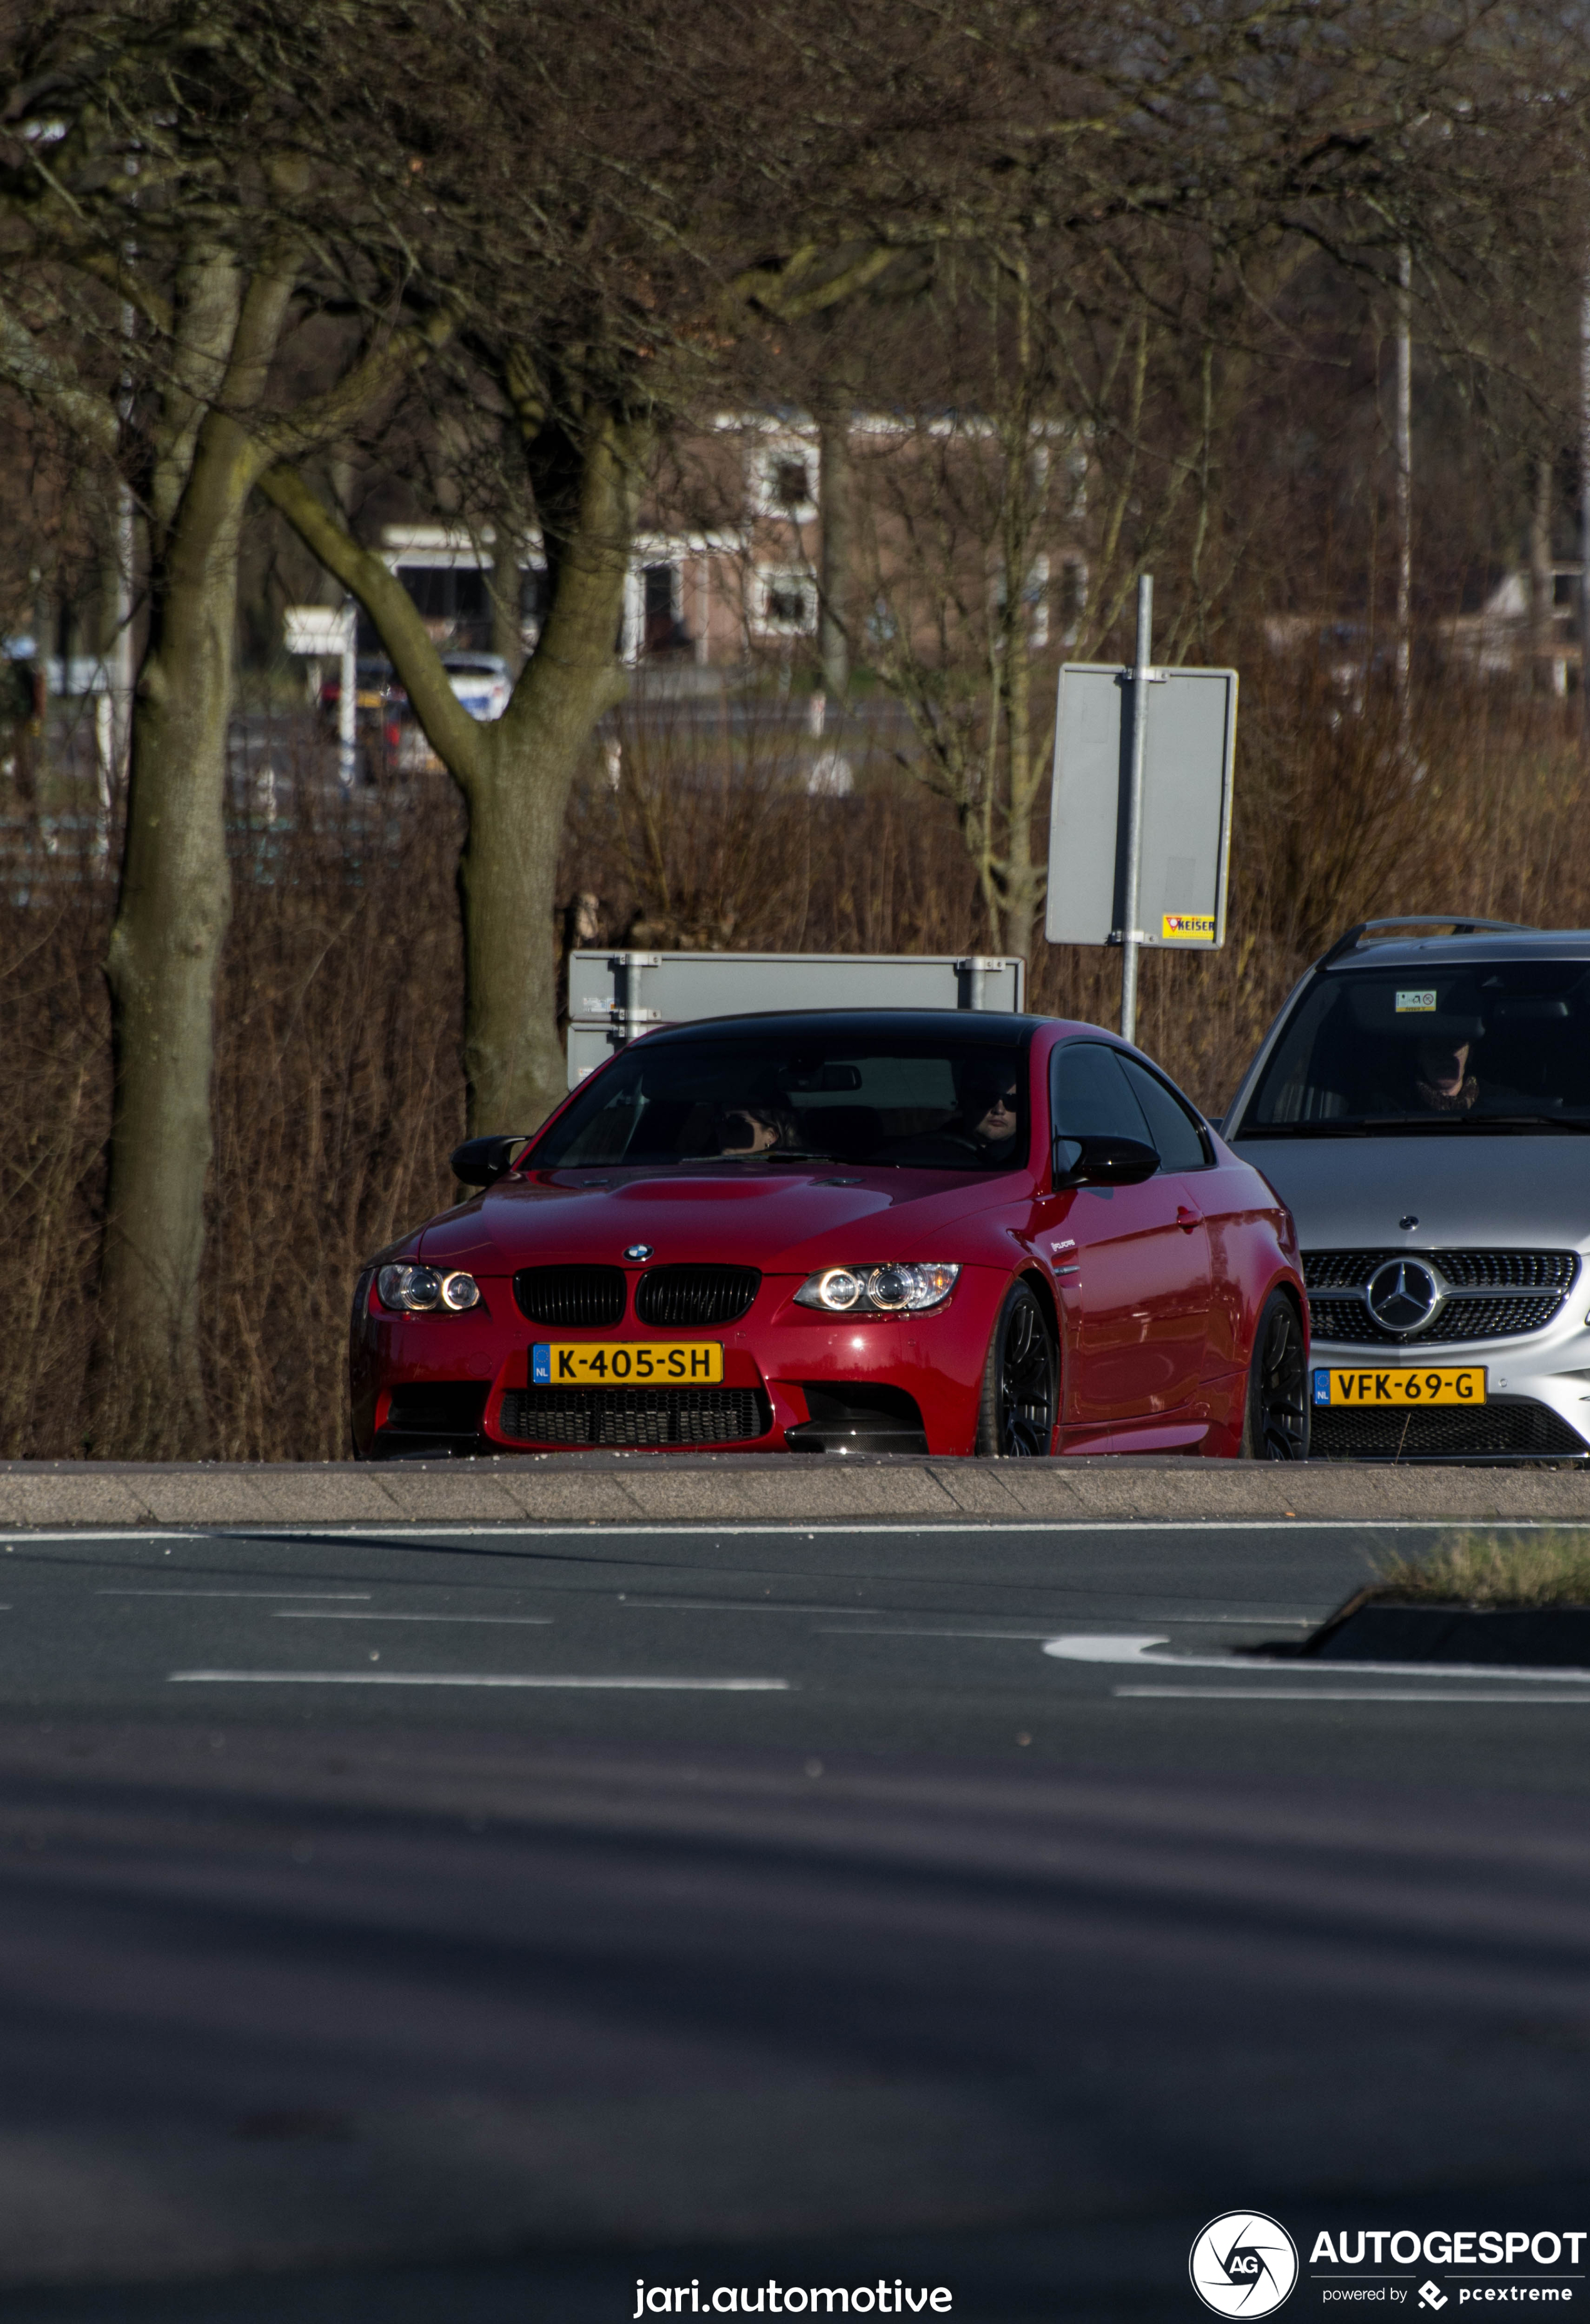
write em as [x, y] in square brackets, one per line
[887, 1287]
[411, 1289]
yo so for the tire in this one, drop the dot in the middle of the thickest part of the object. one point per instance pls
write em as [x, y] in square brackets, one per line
[1021, 1383]
[1275, 1421]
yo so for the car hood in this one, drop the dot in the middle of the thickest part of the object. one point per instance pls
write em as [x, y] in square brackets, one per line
[783, 1222]
[1465, 1189]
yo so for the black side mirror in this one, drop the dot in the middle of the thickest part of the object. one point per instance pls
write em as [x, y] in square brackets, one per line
[481, 1161]
[1103, 1162]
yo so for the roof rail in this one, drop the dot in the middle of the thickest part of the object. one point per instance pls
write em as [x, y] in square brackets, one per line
[1453, 925]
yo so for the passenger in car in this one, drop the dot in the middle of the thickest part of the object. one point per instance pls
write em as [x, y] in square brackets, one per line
[747, 1130]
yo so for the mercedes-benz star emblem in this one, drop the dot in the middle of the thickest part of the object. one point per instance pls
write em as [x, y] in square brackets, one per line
[1403, 1294]
[639, 1251]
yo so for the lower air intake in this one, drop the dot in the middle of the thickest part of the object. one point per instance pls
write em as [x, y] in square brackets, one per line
[635, 1416]
[440, 1416]
[1491, 1432]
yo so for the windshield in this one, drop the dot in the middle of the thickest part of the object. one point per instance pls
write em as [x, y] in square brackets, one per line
[900, 1100]
[1497, 1047]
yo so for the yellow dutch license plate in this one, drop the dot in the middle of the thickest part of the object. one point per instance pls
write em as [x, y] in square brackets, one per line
[1401, 1384]
[625, 1363]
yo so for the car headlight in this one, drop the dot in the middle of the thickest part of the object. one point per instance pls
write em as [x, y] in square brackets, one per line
[891, 1289]
[424, 1290]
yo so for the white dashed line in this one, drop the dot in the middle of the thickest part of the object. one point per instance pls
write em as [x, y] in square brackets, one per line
[458, 1678]
[313, 1614]
[347, 1596]
[1332, 1694]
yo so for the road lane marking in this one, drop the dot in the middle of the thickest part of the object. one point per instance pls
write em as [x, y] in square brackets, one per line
[1016, 1638]
[22, 1536]
[662, 1529]
[313, 1614]
[1115, 1647]
[472, 1678]
[16, 1534]
[350, 1596]
[1331, 1695]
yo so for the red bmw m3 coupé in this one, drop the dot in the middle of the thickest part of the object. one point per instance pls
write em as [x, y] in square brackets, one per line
[846, 1231]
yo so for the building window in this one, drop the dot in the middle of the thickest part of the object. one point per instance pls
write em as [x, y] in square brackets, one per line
[784, 479]
[783, 603]
[662, 609]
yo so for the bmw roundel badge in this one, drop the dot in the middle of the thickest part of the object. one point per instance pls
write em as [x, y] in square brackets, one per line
[639, 1251]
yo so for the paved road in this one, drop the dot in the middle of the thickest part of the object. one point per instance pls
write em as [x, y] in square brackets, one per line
[463, 1922]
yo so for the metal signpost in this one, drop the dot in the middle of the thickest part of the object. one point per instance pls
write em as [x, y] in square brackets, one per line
[1140, 830]
[322, 631]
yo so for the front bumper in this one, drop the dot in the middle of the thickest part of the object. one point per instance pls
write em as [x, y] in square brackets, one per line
[1536, 1407]
[794, 1381]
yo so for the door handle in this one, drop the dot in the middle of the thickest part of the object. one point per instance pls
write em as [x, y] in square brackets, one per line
[1186, 1219]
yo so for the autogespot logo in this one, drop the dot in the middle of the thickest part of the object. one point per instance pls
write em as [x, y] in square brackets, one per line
[1243, 2265]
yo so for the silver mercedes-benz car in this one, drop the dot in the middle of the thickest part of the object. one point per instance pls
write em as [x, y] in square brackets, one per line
[1422, 1104]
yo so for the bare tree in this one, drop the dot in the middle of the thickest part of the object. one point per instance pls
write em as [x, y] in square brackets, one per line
[174, 244]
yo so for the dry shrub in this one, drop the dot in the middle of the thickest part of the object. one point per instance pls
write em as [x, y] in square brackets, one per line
[338, 1099]
[338, 1092]
[1548, 1568]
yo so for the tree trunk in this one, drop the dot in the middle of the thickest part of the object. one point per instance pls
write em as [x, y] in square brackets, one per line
[834, 605]
[516, 773]
[146, 1388]
[1540, 577]
[513, 1064]
[1022, 876]
[164, 957]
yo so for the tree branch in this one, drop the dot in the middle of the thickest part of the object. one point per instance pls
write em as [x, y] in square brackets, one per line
[451, 732]
[40, 376]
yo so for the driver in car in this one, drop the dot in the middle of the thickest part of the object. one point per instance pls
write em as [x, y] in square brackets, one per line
[1442, 1082]
[990, 1113]
[1438, 1078]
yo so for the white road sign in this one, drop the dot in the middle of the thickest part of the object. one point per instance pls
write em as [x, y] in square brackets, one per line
[324, 630]
[1185, 818]
[1140, 825]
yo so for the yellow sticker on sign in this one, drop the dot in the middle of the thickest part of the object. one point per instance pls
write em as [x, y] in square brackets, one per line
[1188, 927]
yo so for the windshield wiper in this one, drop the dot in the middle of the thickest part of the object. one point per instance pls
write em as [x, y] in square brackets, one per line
[1524, 1121]
[1369, 1125]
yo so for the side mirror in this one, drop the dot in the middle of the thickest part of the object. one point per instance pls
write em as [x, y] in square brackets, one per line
[481, 1161]
[1103, 1162]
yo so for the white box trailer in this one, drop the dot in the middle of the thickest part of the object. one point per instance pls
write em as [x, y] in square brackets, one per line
[613, 996]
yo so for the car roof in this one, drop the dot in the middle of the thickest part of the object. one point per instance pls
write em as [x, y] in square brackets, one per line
[999, 1027]
[1543, 944]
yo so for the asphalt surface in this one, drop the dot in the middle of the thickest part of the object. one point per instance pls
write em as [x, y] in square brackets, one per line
[407, 1923]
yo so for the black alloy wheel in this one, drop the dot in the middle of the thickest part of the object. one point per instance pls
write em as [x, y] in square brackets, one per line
[1275, 1426]
[1021, 1383]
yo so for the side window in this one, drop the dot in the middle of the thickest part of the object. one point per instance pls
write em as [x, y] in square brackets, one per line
[1176, 1134]
[1089, 1096]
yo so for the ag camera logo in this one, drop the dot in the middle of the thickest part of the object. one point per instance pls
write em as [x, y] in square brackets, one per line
[1244, 2264]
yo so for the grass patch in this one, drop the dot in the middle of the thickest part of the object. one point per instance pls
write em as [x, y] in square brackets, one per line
[1547, 1568]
